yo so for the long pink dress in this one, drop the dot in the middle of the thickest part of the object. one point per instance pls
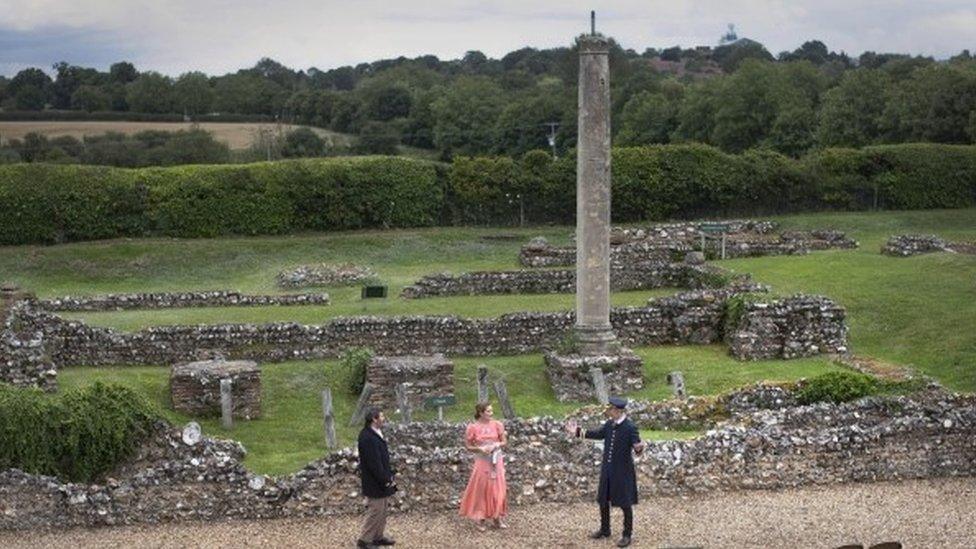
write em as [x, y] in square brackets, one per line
[485, 496]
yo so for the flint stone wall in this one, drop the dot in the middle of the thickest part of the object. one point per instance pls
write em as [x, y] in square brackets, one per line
[425, 376]
[668, 241]
[570, 378]
[195, 387]
[904, 245]
[24, 358]
[324, 274]
[623, 277]
[873, 439]
[695, 317]
[799, 326]
[167, 300]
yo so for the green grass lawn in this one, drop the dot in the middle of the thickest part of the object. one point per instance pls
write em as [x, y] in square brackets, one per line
[290, 432]
[917, 311]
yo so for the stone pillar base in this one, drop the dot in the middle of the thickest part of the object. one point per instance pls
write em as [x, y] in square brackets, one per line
[570, 376]
[596, 341]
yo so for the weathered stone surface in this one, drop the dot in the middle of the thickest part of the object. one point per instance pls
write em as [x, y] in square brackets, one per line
[24, 357]
[795, 327]
[874, 439]
[904, 245]
[324, 275]
[170, 300]
[424, 376]
[642, 275]
[195, 387]
[569, 374]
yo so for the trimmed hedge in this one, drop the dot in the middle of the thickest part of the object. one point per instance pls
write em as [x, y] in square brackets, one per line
[58, 203]
[78, 436]
[53, 203]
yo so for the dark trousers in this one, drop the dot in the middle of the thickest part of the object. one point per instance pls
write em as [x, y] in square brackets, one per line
[605, 518]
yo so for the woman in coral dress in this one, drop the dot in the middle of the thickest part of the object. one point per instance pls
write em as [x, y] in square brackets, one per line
[485, 497]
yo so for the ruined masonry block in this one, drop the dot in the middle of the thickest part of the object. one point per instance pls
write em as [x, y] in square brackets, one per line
[195, 387]
[425, 376]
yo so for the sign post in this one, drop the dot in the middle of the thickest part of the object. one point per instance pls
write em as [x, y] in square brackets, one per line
[440, 402]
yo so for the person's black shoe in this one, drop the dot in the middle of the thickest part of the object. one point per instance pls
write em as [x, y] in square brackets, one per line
[599, 534]
[384, 541]
[363, 545]
[624, 541]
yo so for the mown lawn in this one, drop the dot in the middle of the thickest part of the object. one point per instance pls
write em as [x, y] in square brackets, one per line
[917, 311]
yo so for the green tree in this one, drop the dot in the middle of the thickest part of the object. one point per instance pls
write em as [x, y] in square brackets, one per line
[377, 138]
[150, 92]
[386, 102]
[466, 114]
[933, 104]
[192, 93]
[347, 113]
[90, 98]
[30, 88]
[122, 72]
[648, 117]
[248, 93]
[852, 112]
[303, 142]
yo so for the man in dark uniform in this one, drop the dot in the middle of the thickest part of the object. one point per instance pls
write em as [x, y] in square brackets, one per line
[618, 481]
[377, 479]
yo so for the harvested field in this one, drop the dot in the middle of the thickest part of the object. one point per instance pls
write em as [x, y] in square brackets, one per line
[236, 135]
[920, 513]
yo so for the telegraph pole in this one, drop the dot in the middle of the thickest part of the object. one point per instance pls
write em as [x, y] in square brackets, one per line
[552, 136]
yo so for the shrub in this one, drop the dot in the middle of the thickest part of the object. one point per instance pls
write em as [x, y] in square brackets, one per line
[352, 369]
[836, 387]
[78, 436]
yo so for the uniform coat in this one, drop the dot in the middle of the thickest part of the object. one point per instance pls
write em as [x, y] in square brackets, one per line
[374, 465]
[618, 481]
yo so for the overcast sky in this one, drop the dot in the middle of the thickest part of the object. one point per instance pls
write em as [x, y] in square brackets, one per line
[219, 36]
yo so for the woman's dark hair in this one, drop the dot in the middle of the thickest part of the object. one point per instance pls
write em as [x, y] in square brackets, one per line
[480, 408]
[371, 414]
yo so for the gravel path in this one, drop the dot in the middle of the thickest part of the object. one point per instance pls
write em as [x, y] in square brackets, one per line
[937, 513]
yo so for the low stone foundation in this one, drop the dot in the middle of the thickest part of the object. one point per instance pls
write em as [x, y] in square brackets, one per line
[570, 378]
[195, 387]
[795, 327]
[424, 376]
[874, 439]
[24, 358]
[905, 245]
[166, 300]
[623, 277]
[324, 274]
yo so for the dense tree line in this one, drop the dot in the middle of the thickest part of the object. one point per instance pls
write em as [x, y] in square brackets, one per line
[736, 96]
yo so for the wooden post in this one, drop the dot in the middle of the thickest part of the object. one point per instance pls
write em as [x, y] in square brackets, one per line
[723, 245]
[482, 383]
[403, 403]
[703, 241]
[226, 404]
[599, 385]
[502, 393]
[361, 404]
[677, 382]
[328, 418]
[440, 413]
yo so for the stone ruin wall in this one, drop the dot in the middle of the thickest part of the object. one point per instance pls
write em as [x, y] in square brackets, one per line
[669, 241]
[875, 439]
[695, 317]
[24, 357]
[629, 276]
[795, 327]
[173, 300]
[425, 376]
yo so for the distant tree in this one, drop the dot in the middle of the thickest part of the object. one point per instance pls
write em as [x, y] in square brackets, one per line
[813, 51]
[730, 56]
[466, 114]
[69, 78]
[30, 88]
[648, 117]
[90, 98]
[671, 54]
[934, 104]
[150, 92]
[248, 93]
[276, 72]
[474, 62]
[852, 112]
[348, 114]
[192, 93]
[303, 142]
[377, 138]
[386, 102]
[123, 72]
[522, 124]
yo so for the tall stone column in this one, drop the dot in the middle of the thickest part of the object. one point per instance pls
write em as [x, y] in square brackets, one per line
[593, 328]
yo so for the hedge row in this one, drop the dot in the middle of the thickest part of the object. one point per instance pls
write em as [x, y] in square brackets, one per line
[48, 203]
[57, 203]
[125, 116]
[78, 436]
[684, 181]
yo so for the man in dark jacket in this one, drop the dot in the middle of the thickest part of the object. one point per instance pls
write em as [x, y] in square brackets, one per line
[377, 479]
[618, 481]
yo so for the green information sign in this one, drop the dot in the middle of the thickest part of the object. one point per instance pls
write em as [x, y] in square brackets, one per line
[714, 228]
[438, 401]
